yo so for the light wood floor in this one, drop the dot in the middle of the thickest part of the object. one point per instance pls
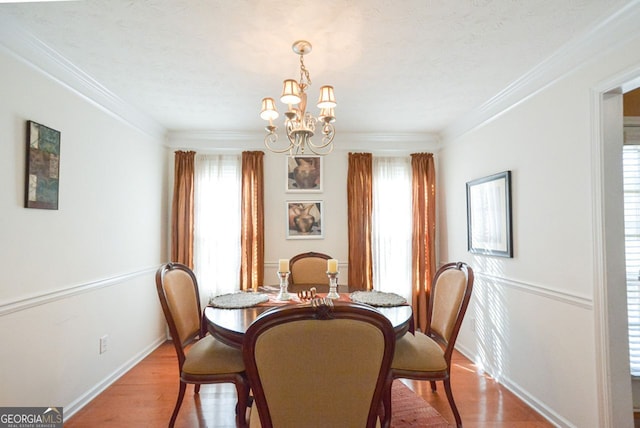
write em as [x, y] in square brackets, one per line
[145, 396]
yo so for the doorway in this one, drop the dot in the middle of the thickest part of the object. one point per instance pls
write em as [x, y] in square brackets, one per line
[631, 181]
[614, 392]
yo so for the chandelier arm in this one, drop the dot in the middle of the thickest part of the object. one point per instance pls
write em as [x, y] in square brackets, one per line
[290, 134]
[272, 138]
[328, 132]
[315, 151]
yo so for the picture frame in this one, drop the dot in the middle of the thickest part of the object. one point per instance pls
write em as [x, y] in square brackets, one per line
[303, 173]
[42, 183]
[304, 219]
[489, 222]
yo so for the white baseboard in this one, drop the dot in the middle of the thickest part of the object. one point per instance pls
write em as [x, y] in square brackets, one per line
[84, 399]
[549, 414]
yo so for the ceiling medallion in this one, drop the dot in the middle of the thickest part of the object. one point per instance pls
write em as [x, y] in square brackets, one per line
[300, 125]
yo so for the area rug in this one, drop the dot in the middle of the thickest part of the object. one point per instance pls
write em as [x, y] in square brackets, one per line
[410, 410]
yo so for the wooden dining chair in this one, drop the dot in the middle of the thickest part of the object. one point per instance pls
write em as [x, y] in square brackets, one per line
[427, 356]
[207, 360]
[321, 365]
[309, 269]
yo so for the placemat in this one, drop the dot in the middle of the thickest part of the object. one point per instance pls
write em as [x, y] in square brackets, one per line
[238, 300]
[378, 298]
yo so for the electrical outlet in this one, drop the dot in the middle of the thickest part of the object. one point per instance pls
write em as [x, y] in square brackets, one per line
[103, 344]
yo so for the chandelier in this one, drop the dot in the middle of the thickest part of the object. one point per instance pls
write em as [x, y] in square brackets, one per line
[300, 125]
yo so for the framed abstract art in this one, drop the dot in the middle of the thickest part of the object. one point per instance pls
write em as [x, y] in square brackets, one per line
[43, 167]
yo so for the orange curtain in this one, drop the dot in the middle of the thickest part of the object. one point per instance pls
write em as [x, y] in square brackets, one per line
[424, 233]
[359, 209]
[182, 209]
[252, 233]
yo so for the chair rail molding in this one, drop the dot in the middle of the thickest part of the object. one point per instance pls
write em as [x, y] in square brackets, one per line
[539, 290]
[564, 297]
[74, 290]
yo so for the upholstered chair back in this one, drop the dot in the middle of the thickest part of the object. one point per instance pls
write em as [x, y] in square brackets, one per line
[448, 293]
[318, 371]
[183, 303]
[309, 269]
[178, 291]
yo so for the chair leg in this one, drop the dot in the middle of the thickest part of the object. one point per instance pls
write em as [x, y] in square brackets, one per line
[196, 388]
[452, 403]
[174, 416]
[433, 385]
[242, 389]
[386, 404]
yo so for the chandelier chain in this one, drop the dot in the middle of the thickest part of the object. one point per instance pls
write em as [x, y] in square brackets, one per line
[304, 73]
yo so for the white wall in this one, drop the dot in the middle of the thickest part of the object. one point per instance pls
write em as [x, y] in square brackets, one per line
[334, 198]
[535, 314]
[334, 192]
[87, 269]
[277, 246]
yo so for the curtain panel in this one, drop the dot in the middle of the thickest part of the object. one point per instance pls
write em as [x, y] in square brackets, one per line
[391, 232]
[424, 232]
[216, 254]
[182, 217]
[252, 229]
[359, 209]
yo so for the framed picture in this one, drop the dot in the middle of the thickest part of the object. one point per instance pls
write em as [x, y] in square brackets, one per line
[304, 173]
[489, 215]
[43, 167]
[304, 220]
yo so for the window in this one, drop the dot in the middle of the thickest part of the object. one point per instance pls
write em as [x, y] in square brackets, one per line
[631, 177]
[217, 223]
[392, 225]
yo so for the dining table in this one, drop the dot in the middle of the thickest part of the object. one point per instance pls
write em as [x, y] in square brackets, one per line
[228, 324]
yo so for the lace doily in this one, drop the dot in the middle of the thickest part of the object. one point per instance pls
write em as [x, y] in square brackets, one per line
[378, 298]
[238, 300]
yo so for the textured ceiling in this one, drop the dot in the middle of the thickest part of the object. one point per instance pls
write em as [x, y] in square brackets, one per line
[409, 66]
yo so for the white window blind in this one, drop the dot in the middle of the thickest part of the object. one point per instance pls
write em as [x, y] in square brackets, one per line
[392, 225]
[631, 175]
[216, 253]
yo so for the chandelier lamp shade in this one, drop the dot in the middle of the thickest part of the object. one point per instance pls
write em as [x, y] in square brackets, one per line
[299, 124]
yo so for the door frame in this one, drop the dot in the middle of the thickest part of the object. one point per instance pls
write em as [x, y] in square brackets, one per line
[611, 329]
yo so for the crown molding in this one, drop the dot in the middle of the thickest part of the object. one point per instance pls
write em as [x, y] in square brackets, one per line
[235, 141]
[32, 51]
[390, 143]
[582, 50]
[29, 49]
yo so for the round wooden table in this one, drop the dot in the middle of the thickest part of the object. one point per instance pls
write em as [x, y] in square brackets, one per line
[229, 325]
